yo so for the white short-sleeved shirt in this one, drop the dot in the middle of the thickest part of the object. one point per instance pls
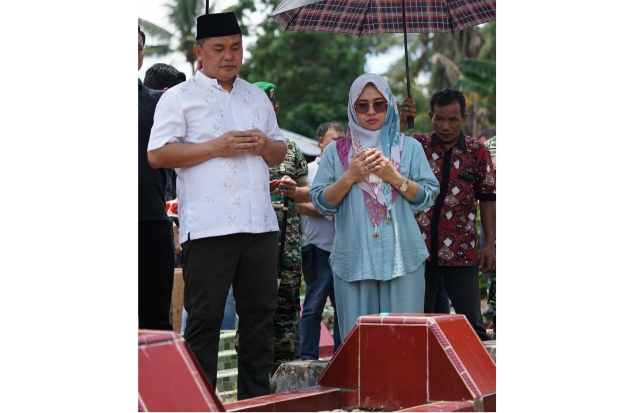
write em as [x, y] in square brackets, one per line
[223, 195]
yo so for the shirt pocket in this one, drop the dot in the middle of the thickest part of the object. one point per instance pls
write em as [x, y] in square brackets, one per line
[467, 176]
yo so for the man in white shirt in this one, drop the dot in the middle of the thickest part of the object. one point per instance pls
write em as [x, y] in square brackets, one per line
[220, 134]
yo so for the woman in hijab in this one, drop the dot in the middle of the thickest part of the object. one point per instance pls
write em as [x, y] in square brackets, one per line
[373, 180]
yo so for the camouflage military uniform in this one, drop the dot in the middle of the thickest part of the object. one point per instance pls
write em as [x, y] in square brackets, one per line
[287, 310]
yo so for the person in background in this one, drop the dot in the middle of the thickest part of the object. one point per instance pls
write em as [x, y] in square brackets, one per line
[463, 167]
[155, 247]
[178, 252]
[491, 288]
[221, 135]
[320, 231]
[287, 180]
[485, 135]
[162, 77]
[372, 180]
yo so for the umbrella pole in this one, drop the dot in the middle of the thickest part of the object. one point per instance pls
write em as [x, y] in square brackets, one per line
[409, 118]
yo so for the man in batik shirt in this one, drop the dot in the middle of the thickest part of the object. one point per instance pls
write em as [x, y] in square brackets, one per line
[462, 166]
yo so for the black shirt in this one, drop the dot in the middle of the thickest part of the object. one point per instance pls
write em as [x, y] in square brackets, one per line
[151, 182]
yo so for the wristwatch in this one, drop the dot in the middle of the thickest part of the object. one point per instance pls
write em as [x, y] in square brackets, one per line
[404, 186]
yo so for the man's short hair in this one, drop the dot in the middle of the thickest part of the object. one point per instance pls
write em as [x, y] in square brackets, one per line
[141, 33]
[446, 97]
[161, 76]
[324, 127]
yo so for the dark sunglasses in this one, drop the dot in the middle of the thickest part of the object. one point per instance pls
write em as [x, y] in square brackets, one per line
[379, 107]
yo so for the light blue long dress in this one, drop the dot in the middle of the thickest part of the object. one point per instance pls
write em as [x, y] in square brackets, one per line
[380, 274]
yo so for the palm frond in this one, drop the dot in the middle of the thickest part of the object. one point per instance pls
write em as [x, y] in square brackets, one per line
[158, 50]
[183, 13]
[451, 69]
[468, 84]
[477, 78]
[153, 31]
[488, 49]
[482, 67]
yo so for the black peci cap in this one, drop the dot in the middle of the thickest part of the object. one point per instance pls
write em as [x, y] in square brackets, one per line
[217, 25]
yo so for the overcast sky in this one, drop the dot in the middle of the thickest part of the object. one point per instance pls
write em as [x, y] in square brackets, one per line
[155, 12]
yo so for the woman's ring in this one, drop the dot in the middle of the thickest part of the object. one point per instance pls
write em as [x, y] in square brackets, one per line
[406, 108]
[366, 167]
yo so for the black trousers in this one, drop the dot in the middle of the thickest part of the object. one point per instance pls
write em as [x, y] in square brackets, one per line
[210, 265]
[155, 274]
[461, 284]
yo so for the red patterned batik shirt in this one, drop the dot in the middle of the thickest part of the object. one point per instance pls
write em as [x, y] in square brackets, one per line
[465, 175]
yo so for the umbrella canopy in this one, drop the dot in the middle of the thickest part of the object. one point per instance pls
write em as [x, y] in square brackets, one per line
[365, 17]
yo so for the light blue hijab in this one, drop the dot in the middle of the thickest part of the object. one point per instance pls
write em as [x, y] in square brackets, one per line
[388, 138]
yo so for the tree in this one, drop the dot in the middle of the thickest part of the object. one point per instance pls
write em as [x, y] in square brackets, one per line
[313, 72]
[438, 57]
[157, 37]
[479, 80]
[182, 15]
